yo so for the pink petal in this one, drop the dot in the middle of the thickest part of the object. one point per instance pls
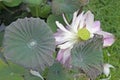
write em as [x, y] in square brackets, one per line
[74, 17]
[59, 37]
[96, 27]
[60, 26]
[108, 38]
[67, 63]
[60, 54]
[89, 17]
[77, 22]
[62, 37]
[68, 44]
[82, 22]
[64, 18]
[64, 55]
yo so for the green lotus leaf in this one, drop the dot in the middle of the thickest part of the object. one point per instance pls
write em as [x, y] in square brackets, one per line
[65, 6]
[29, 42]
[56, 72]
[6, 0]
[12, 3]
[33, 2]
[38, 11]
[51, 21]
[45, 11]
[88, 56]
[10, 72]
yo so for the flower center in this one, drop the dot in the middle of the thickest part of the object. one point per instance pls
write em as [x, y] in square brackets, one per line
[83, 34]
[32, 43]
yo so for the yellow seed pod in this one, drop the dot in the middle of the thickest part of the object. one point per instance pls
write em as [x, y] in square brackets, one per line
[84, 34]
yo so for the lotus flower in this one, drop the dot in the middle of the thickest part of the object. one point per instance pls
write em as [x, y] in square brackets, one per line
[82, 28]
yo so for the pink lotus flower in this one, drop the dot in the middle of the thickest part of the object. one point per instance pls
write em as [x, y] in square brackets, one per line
[83, 27]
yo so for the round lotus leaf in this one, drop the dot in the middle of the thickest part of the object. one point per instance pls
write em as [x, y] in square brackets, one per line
[88, 56]
[29, 42]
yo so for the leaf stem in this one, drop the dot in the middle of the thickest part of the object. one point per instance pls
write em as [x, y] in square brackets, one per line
[36, 11]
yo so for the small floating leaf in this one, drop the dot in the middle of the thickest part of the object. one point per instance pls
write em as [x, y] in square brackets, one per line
[33, 2]
[12, 3]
